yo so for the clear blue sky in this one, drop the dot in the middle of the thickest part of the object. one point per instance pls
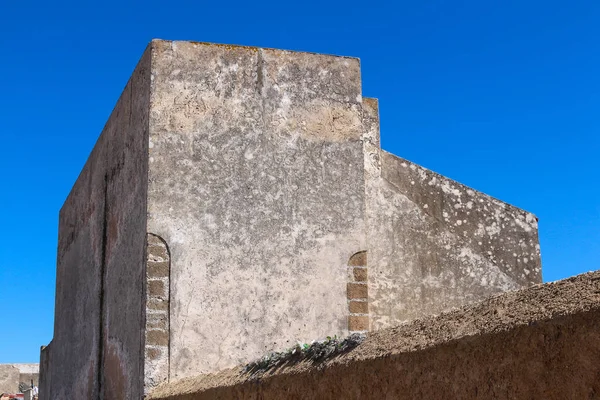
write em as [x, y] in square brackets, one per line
[503, 96]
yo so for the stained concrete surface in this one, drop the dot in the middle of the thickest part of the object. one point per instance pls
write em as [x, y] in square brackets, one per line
[434, 243]
[260, 153]
[538, 343]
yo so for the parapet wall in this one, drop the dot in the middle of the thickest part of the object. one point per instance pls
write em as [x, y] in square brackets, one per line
[542, 342]
[435, 243]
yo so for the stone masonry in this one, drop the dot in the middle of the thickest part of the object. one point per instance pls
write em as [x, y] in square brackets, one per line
[228, 209]
[156, 365]
[358, 293]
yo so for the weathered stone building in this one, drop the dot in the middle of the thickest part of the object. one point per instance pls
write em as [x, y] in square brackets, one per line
[14, 375]
[238, 201]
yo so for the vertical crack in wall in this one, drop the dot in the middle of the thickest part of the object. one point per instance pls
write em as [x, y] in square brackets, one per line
[260, 84]
[358, 293]
[102, 316]
[157, 343]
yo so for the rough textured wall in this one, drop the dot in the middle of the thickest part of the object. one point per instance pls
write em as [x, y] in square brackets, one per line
[98, 335]
[434, 243]
[260, 153]
[125, 243]
[9, 378]
[538, 343]
[156, 363]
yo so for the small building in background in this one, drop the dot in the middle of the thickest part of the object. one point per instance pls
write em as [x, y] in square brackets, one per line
[18, 380]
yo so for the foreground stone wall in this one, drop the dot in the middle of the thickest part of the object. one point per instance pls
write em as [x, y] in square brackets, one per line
[537, 343]
[97, 347]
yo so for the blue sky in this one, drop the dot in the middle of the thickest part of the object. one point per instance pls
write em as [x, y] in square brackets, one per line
[503, 96]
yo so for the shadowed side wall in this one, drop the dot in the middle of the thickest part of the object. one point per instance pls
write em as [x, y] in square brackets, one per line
[260, 154]
[434, 243]
[97, 349]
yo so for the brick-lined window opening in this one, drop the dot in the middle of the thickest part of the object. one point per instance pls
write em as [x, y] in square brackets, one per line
[358, 293]
[156, 366]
